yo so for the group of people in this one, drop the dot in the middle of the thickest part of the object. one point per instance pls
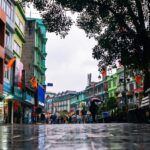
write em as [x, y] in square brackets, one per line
[73, 117]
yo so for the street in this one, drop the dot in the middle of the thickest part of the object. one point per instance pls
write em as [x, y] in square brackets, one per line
[75, 137]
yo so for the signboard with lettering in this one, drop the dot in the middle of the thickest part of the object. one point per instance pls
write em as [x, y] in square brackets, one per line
[41, 95]
[17, 93]
[29, 99]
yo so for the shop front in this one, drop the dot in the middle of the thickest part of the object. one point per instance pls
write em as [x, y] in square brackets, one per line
[13, 107]
[5, 105]
[28, 108]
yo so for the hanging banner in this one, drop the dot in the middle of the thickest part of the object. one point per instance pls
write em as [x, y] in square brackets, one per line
[41, 95]
[18, 73]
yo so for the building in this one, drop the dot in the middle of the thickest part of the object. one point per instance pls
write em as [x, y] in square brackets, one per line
[2, 55]
[62, 101]
[49, 102]
[77, 100]
[112, 85]
[8, 75]
[33, 58]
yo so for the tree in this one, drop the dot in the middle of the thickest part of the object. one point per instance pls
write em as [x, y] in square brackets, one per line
[111, 103]
[121, 28]
[53, 15]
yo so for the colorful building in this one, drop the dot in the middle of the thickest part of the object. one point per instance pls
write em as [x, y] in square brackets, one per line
[77, 100]
[2, 55]
[34, 56]
[8, 75]
[112, 85]
[62, 101]
[14, 40]
[49, 102]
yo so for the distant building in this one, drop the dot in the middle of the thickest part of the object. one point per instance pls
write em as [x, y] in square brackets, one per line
[61, 101]
[49, 102]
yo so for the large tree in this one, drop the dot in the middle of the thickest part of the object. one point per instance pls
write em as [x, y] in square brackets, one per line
[121, 27]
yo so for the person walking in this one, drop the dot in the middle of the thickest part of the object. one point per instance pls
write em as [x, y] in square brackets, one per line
[93, 107]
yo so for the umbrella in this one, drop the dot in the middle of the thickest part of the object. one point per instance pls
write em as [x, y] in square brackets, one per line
[138, 90]
[95, 99]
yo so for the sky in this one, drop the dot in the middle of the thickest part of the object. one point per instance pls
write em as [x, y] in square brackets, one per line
[69, 60]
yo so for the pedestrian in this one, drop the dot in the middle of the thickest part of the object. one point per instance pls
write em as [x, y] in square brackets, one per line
[43, 118]
[93, 107]
[83, 113]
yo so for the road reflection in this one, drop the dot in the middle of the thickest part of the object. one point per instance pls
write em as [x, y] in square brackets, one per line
[75, 136]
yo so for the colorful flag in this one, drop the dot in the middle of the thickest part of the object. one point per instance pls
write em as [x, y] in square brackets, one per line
[138, 79]
[34, 82]
[10, 63]
[103, 72]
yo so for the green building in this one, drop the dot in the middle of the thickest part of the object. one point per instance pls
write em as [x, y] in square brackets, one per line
[34, 49]
[77, 100]
[112, 82]
[34, 56]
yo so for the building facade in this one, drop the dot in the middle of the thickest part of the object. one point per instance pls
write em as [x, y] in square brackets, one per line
[14, 40]
[34, 56]
[8, 74]
[49, 102]
[62, 101]
[2, 54]
[77, 100]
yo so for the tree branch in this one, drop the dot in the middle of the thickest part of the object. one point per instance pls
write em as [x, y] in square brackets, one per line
[140, 13]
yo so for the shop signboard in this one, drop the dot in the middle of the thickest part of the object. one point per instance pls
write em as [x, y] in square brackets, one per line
[18, 73]
[29, 99]
[7, 87]
[17, 93]
[41, 95]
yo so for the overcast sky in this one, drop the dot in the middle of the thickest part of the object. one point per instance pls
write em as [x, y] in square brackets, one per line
[69, 60]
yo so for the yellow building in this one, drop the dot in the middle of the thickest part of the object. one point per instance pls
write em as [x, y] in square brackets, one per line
[19, 36]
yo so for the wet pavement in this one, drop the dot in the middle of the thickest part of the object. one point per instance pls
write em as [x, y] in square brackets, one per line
[75, 137]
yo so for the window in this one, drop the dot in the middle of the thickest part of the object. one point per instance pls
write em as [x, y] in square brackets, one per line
[17, 48]
[17, 20]
[3, 4]
[8, 9]
[7, 74]
[19, 23]
[8, 40]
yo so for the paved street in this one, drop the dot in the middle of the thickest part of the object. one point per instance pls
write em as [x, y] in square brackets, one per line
[75, 137]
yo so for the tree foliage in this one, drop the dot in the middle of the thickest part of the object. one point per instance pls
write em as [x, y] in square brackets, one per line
[121, 28]
[53, 15]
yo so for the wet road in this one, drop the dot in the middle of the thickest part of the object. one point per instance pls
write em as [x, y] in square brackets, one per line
[75, 137]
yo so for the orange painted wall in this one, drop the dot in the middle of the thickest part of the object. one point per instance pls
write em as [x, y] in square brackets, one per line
[2, 43]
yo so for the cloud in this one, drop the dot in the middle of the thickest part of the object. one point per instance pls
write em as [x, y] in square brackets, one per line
[69, 61]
